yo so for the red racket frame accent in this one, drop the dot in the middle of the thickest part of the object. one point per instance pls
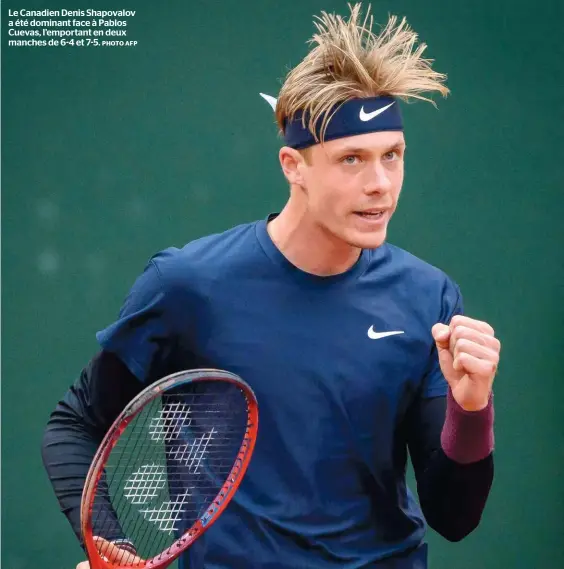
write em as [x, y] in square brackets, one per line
[218, 504]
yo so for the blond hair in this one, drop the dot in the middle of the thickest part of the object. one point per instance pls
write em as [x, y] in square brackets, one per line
[350, 61]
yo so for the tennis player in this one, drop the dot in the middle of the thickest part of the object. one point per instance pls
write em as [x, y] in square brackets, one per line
[358, 352]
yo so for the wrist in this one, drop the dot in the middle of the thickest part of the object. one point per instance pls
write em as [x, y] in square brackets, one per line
[473, 406]
[126, 545]
[467, 436]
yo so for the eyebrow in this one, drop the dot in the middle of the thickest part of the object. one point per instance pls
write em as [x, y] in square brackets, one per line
[358, 150]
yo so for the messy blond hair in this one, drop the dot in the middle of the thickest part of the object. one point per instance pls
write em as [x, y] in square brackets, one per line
[350, 61]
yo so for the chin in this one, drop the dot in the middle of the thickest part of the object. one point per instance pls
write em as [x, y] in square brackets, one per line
[364, 240]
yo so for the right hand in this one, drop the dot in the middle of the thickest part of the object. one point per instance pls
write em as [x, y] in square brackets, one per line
[112, 553]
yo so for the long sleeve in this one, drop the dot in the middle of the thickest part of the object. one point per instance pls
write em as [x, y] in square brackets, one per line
[78, 424]
[136, 350]
[451, 452]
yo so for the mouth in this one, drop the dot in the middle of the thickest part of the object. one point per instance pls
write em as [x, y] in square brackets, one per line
[373, 214]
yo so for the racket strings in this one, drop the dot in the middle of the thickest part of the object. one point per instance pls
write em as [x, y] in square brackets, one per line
[169, 465]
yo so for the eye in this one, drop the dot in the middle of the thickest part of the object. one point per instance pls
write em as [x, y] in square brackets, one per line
[391, 156]
[351, 159]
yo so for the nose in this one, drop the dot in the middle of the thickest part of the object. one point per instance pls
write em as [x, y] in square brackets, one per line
[377, 180]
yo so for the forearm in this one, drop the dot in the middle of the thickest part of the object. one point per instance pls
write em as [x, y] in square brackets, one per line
[67, 455]
[456, 481]
[76, 428]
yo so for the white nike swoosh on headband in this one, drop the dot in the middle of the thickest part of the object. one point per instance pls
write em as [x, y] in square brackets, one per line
[270, 100]
[369, 116]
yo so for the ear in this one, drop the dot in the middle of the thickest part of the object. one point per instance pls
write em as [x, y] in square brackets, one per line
[292, 163]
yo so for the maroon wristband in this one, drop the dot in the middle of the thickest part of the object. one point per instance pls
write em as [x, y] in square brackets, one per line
[467, 436]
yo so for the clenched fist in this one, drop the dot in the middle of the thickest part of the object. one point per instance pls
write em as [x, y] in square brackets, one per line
[468, 356]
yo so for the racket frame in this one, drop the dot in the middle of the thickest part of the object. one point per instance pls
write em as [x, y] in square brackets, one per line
[218, 504]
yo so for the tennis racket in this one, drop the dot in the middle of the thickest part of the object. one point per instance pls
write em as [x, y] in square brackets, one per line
[167, 468]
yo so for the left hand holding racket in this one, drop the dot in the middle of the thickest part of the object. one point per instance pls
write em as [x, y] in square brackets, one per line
[112, 553]
[469, 357]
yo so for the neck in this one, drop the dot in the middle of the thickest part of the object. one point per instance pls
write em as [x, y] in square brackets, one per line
[307, 245]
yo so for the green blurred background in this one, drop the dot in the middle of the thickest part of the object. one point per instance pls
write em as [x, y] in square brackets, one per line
[110, 154]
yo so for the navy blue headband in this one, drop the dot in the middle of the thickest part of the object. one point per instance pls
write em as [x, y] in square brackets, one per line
[355, 116]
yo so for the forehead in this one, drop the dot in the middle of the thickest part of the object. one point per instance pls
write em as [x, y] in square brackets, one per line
[369, 142]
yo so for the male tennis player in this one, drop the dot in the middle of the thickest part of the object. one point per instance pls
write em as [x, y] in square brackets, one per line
[358, 351]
